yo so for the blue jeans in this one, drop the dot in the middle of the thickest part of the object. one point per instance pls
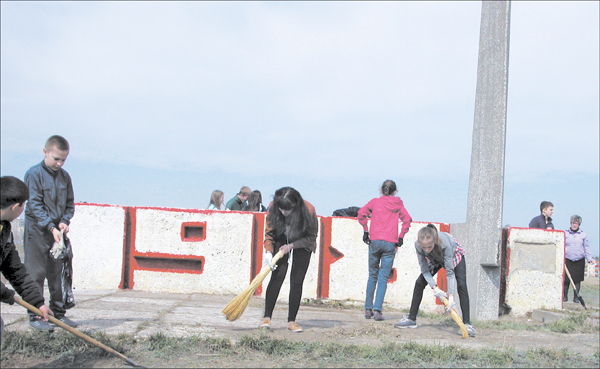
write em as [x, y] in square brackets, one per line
[381, 259]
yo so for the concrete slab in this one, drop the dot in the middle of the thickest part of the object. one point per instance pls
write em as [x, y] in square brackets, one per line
[546, 316]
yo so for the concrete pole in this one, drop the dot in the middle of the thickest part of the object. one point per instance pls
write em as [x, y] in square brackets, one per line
[481, 235]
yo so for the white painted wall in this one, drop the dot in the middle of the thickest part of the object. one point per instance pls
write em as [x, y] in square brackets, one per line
[96, 234]
[226, 249]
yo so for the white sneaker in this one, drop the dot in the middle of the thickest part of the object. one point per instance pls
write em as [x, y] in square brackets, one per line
[406, 323]
[470, 330]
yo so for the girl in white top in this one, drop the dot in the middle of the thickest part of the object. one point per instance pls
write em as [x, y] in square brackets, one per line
[216, 200]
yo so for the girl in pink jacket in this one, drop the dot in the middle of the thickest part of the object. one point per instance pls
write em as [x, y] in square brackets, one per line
[383, 239]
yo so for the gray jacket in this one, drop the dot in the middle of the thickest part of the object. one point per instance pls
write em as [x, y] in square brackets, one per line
[449, 248]
[51, 199]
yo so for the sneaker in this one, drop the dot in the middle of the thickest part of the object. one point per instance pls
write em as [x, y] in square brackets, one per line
[68, 322]
[470, 330]
[406, 323]
[41, 325]
[565, 299]
[292, 326]
[576, 300]
[378, 316]
[266, 323]
[368, 313]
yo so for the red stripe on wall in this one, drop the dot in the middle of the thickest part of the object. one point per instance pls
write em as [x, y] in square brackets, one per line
[258, 228]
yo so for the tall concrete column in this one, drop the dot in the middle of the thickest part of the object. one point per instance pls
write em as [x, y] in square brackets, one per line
[482, 233]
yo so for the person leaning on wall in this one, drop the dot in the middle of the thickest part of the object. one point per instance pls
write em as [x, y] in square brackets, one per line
[544, 220]
[577, 251]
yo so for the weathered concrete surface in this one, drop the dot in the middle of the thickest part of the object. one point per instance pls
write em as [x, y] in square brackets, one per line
[225, 248]
[546, 316]
[535, 259]
[142, 314]
[481, 234]
[97, 233]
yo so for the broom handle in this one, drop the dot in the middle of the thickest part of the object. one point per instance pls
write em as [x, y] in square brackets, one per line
[571, 279]
[575, 288]
[457, 319]
[87, 338]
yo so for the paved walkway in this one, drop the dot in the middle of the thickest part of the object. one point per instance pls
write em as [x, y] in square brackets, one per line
[145, 313]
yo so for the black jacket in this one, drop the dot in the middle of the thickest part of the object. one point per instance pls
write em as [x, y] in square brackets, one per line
[14, 271]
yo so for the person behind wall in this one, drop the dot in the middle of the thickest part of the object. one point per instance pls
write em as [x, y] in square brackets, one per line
[216, 200]
[291, 226]
[577, 251]
[47, 216]
[239, 201]
[383, 240]
[13, 195]
[544, 220]
[255, 202]
[437, 250]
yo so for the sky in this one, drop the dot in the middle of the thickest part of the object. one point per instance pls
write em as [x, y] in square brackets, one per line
[164, 102]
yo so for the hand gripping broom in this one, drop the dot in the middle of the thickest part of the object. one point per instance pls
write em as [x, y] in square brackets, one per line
[77, 333]
[457, 319]
[236, 307]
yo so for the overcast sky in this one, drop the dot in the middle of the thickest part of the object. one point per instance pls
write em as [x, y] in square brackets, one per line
[164, 102]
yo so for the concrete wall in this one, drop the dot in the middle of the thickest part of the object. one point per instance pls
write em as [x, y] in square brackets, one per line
[203, 251]
[534, 269]
[97, 233]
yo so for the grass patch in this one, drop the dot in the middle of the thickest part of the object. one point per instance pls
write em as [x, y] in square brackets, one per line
[407, 355]
[160, 350]
[577, 323]
[33, 343]
[504, 324]
[335, 304]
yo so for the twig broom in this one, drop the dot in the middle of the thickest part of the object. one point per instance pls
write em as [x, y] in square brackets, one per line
[236, 307]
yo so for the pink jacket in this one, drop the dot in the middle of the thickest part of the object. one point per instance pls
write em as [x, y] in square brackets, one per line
[384, 212]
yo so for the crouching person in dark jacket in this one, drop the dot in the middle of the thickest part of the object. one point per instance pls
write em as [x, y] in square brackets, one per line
[13, 195]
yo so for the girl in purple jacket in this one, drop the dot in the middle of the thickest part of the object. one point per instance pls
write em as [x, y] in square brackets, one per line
[383, 240]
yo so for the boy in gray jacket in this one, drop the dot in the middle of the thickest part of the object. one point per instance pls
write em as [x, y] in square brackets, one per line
[49, 211]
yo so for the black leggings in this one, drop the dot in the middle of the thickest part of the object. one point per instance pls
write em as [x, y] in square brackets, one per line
[460, 273]
[300, 262]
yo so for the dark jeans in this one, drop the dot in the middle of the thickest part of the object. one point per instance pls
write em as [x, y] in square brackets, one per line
[41, 266]
[300, 262]
[460, 273]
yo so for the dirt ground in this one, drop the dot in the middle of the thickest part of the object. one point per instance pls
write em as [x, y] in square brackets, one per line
[348, 327]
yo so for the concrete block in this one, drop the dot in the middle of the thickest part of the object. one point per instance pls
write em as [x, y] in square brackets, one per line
[97, 233]
[546, 316]
[223, 247]
[535, 259]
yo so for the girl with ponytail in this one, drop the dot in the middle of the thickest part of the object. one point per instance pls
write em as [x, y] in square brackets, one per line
[383, 240]
[437, 250]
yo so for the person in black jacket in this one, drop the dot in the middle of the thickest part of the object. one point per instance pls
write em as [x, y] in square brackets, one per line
[544, 220]
[13, 195]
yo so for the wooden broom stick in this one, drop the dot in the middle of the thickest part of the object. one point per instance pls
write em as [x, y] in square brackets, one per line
[85, 337]
[457, 318]
[236, 307]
